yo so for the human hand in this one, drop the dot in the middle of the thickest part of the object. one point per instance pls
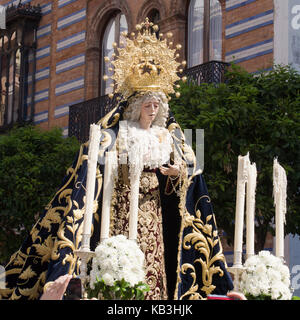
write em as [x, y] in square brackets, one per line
[56, 289]
[236, 295]
[172, 170]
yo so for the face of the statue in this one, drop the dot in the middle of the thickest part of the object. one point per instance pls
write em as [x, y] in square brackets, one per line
[149, 110]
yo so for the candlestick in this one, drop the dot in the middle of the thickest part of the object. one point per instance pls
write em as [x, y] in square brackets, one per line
[108, 185]
[236, 271]
[84, 256]
[250, 210]
[90, 185]
[279, 194]
[243, 163]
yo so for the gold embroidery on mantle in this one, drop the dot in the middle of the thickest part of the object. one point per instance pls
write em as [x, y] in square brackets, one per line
[34, 292]
[204, 240]
[192, 292]
[72, 171]
[104, 121]
[48, 248]
[74, 226]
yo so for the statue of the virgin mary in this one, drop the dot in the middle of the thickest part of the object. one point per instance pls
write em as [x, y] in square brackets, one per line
[156, 177]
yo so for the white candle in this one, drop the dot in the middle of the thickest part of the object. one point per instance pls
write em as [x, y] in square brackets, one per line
[279, 193]
[134, 203]
[243, 163]
[90, 185]
[250, 210]
[108, 185]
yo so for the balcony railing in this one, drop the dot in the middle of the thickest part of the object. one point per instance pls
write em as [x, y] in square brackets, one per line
[81, 115]
[23, 10]
[209, 72]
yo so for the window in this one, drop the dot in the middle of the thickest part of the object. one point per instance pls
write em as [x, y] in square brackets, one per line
[204, 31]
[12, 109]
[18, 64]
[154, 17]
[112, 34]
[215, 31]
[195, 32]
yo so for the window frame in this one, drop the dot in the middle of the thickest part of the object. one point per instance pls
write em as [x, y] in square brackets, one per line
[206, 30]
[117, 36]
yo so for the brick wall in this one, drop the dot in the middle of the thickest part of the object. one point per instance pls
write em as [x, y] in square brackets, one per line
[249, 33]
[69, 43]
[60, 65]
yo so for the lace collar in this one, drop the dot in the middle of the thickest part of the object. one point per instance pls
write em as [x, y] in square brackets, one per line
[144, 148]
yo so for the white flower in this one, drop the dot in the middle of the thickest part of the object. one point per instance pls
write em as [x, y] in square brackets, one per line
[108, 279]
[264, 253]
[261, 269]
[115, 259]
[274, 275]
[252, 261]
[266, 274]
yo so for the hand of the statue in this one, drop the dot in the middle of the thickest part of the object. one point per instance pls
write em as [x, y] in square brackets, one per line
[236, 295]
[56, 289]
[172, 170]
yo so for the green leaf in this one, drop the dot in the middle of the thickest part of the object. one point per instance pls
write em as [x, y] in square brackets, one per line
[33, 163]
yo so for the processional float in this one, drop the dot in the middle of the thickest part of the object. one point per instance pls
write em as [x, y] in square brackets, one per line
[145, 73]
[246, 188]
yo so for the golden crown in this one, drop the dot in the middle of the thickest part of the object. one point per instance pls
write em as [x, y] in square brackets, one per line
[145, 62]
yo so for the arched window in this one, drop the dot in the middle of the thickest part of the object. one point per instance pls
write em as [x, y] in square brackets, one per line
[204, 31]
[18, 65]
[195, 32]
[112, 34]
[154, 16]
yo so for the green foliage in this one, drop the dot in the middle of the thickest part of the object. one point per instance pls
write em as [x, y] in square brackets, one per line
[259, 297]
[121, 290]
[32, 165]
[255, 113]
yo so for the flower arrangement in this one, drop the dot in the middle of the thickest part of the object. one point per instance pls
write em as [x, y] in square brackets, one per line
[118, 270]
[265, 277]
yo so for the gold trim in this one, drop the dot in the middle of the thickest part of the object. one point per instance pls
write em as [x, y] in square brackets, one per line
[47, 285]
[73, 226]
[203, 239]
[70, 170]
[104, 121]
[173, 126]
[182, 211]
[194, 295]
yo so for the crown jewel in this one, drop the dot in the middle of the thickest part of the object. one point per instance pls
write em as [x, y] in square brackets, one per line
[145, 62]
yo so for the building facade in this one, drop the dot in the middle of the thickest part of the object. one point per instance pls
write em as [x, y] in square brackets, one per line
[52, 53]
[73, 37]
